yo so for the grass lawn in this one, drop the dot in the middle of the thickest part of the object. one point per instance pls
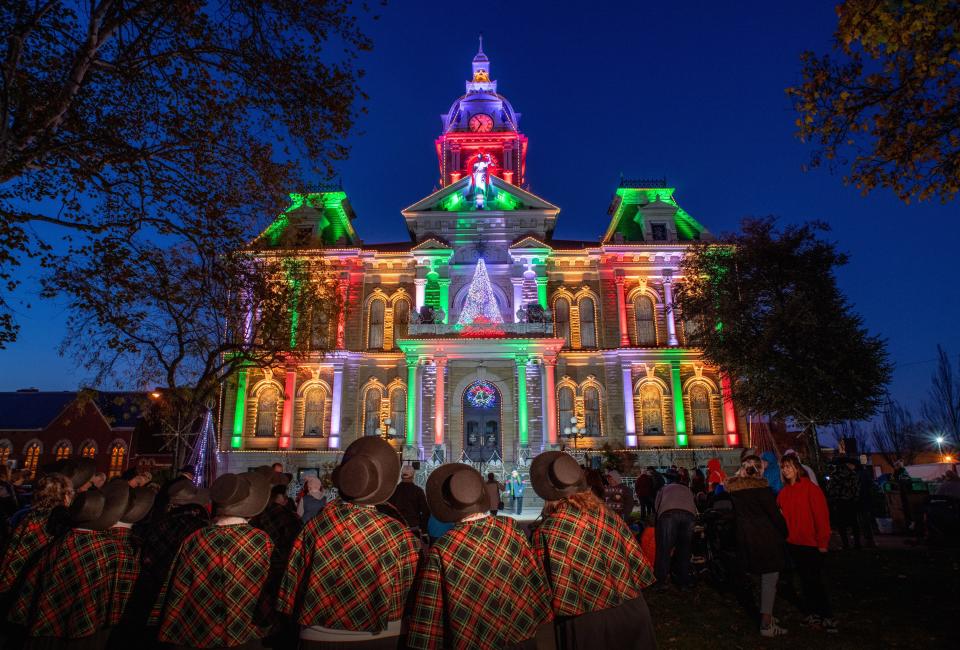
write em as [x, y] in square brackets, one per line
[888, 598]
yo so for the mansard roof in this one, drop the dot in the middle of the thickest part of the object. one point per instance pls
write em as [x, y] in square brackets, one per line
[313, 220]
[638, 204]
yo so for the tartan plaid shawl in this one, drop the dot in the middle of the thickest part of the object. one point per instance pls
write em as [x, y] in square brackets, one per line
[163, 537]
[592, 561]
[26, 544]
[128, 570]
[482, 588]
[68, 594]
[210, 598]
[351, 568]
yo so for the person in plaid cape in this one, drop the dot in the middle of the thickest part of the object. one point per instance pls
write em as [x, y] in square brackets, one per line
[211, 595]
[162, 533]
[481, 587]
[282, 525]
[351, 568]
[65, 600]
[593, 563]
[128, 566]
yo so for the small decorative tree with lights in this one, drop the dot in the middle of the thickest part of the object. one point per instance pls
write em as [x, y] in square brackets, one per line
[480, 305]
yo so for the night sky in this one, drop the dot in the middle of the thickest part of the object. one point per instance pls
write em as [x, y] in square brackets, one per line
[690, 91]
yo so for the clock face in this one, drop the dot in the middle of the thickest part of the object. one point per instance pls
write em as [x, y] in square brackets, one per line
[481, 122]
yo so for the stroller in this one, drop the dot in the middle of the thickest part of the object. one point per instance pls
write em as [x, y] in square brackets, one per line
[719, 532]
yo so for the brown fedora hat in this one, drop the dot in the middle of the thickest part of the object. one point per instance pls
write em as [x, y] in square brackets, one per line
[555, 475]
[141, 500]
[454, 491]
[369, 471]
[116, 496]
[240, 495]
[86, 508]
[183, 492]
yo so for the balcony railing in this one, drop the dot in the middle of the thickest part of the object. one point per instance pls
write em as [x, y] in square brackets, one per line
[480, 331]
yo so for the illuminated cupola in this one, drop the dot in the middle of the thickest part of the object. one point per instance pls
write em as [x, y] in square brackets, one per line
[481, 122]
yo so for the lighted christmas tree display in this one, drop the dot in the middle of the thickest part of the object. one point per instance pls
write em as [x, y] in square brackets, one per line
[480, 305]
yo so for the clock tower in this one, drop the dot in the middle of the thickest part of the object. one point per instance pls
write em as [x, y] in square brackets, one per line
[481, 123]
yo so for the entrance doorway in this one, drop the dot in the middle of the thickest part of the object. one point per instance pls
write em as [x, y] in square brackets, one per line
[481, 421]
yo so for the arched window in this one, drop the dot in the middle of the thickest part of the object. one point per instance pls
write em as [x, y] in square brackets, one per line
[31, 456]
[267, 411]
[651, 413]
[565, 406]
[591, 410]
[375, 332]
[398, 412]
[320, 329]
[646, 330]
[588, 325]
[5, 450]
[88, 449]
[561, 320]
[314, 418]
[118, 456]
[691, 330]
[62, 450]
[371, 412]
[700, 409]
[401, 319]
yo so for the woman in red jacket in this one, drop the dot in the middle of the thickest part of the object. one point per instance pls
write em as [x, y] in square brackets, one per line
[808, 532]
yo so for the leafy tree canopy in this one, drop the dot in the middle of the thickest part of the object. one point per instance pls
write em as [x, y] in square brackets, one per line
[175, 117]
[888, 96]
[780, 326]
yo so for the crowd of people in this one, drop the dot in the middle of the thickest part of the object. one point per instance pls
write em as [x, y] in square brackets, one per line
[116, 563]
[92, 563]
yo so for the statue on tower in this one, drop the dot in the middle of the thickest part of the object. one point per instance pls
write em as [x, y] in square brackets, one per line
[481, 178]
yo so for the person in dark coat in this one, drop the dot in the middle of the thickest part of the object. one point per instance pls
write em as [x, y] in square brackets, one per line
[410, 501]
[865, 503]
[761, 535]
[124, 635]
[644, 490]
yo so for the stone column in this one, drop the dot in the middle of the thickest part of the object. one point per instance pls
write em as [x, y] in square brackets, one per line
[439, 393]
[542, 292]
[239, 411]
[341, 317]
[620, 281]
[729, 412]
[445, 297]
[679, 418]
[669, 308]
[421, 292]
[336, 402]
[550, 400]
[629, 415]
[517, 297]
[286, 420]
[522, 421]
[413, 391]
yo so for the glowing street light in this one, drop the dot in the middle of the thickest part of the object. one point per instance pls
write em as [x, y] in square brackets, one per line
[939, 441]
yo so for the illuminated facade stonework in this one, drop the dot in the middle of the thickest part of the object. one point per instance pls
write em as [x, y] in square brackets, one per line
[588, 351]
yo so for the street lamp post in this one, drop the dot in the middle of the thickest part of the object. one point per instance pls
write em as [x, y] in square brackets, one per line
[573, 431]
[939, 441]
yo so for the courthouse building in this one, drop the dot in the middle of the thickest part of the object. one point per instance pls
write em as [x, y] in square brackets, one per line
[483, 336]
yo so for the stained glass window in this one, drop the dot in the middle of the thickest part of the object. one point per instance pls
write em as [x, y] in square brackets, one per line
[481, 394]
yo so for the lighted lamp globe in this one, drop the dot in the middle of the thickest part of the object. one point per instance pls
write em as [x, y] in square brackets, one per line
[566, 431]
[939, 440]
[392, 431]
[573, 420]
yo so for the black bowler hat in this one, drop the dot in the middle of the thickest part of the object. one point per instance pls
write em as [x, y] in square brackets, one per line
[141, 500]
[183, 492]
[100, 509]
[369, 471]
[555, 475]
[240, 495]
[455, 491]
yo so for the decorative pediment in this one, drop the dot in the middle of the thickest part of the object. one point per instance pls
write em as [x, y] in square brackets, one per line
[503, 197]
[313, 220]
[431, 244]
[530, 243]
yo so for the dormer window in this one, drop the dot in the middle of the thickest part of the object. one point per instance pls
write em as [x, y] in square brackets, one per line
[658, 231]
